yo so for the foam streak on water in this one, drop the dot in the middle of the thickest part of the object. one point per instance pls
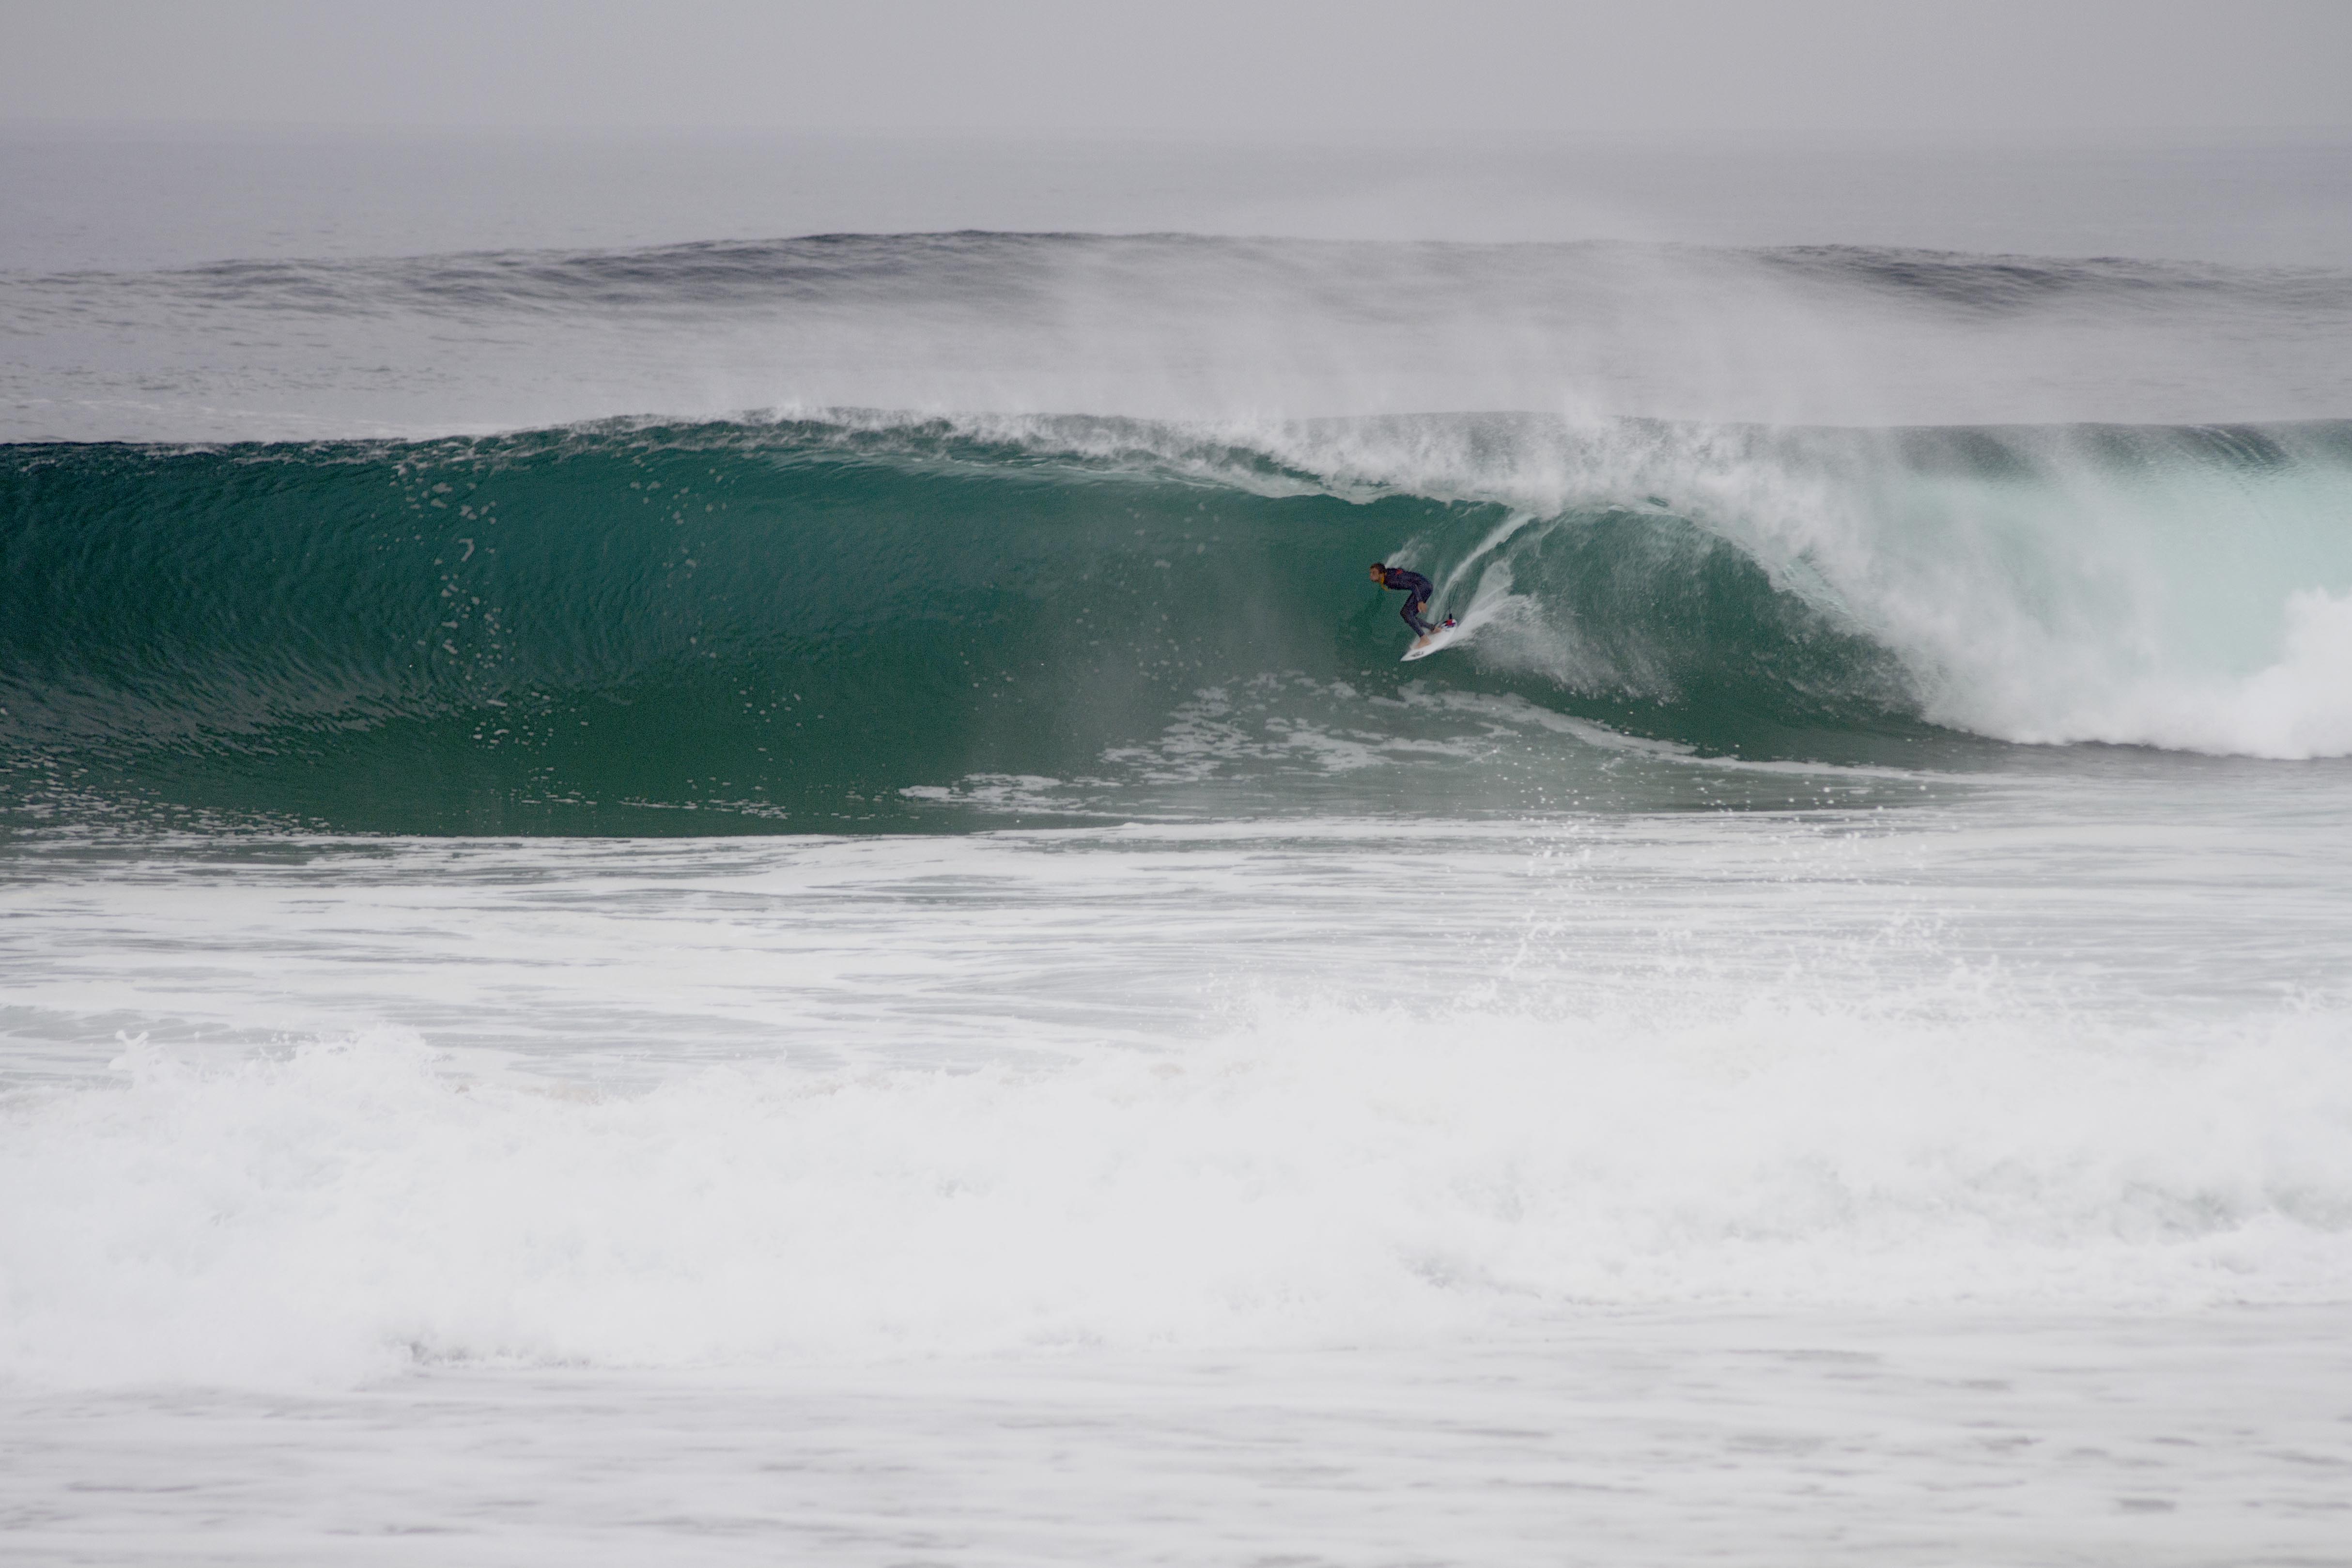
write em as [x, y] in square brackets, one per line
[1835, 1438]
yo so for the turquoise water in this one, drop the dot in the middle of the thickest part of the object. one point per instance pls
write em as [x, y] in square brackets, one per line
[840, 626]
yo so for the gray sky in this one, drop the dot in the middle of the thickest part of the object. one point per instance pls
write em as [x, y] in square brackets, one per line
[1245, 68]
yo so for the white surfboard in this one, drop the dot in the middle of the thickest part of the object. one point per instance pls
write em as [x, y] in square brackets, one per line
[1431, 643]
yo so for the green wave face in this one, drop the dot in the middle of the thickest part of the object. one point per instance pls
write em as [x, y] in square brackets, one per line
[837, 628]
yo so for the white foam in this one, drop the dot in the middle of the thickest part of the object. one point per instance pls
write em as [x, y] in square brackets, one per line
[1326, 1173]
[2297, 707]
[1281, 1083]
[2172, 597]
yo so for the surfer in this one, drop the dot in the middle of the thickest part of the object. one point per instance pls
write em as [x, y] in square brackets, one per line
[1417, 590]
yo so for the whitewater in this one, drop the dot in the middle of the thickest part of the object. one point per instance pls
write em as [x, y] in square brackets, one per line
[696, 893]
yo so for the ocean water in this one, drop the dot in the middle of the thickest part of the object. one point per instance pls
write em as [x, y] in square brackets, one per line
[741, 893]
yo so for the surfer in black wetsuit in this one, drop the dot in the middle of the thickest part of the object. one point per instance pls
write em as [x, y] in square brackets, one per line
[1417, 590]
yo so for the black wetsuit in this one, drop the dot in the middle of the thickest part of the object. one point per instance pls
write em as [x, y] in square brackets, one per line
[1417, 590]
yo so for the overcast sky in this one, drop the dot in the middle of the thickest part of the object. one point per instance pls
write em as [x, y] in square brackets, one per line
[1243, 68]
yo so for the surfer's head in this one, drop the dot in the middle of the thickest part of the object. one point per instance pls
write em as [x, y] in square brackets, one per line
[1380, 569]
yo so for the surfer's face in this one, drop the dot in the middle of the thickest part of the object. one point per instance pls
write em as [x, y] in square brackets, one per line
[1376, 574]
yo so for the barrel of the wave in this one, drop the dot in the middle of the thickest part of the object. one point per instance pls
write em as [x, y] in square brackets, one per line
[698, 629]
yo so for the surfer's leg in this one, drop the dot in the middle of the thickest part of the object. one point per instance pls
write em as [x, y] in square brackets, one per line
[1412, 608]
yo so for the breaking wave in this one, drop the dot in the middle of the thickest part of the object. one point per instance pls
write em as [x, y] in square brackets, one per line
[844, 621]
